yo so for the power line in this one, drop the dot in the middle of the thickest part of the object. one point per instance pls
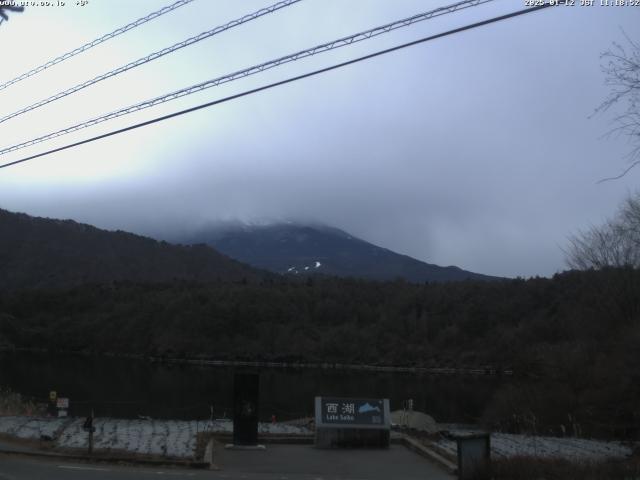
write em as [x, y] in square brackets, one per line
[282, 82]
[97, 41]
[154, 56]
[341, 42]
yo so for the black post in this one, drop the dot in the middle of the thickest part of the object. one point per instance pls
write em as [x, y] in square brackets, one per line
[246, 388]
[91, 430]
[88, 426]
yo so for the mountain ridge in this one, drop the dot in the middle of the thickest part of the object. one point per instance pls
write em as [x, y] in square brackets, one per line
[38, 252]
[295, 248]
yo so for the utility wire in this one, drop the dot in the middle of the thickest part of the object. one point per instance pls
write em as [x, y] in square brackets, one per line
[154, 56]
[283, 82]
[97, 41]
[341, 42]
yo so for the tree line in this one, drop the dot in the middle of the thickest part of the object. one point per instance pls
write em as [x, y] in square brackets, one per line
[572, 341]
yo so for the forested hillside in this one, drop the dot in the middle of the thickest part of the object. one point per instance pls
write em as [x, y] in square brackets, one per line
[41, 252]
[573, 341]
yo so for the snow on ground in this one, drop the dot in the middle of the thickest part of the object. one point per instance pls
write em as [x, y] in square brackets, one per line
[414, 419]
[177, 438]
[508, 445]
[28, 428]
[171, 438]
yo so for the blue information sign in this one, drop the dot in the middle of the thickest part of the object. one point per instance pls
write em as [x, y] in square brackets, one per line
[352, 411]
[352, 422]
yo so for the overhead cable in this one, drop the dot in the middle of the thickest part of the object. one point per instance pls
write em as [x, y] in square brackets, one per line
[281, 82]
[97, 41]
[154, 56]
[325, 47]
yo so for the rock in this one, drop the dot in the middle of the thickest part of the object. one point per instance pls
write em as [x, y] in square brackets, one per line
[416, 420]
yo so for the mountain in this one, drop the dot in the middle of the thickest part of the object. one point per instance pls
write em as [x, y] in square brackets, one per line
[41, 252]
[310, 249]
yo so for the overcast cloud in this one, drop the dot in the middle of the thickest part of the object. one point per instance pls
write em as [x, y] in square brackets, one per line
[474, 150]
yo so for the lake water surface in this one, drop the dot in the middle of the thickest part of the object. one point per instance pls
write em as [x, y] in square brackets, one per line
[123, 387]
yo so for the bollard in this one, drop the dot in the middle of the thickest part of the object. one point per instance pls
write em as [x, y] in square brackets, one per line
[208, 454]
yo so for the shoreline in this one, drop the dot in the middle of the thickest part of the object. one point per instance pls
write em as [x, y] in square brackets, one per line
[210, 362]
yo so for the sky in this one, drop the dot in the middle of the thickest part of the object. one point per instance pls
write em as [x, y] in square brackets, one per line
[480, 149]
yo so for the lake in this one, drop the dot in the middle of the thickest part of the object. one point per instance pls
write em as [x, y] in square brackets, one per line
[127, 388]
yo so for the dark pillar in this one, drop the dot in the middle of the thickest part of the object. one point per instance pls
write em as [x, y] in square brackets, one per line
[246, 395]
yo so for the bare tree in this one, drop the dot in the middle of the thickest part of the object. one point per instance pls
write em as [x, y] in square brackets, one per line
[8, 8]
[621, 67]
[616, 243]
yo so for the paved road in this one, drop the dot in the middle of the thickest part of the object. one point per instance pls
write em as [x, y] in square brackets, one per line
[278, 462]
[7, 446]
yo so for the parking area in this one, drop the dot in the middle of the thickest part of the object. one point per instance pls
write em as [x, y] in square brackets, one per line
[295, 461]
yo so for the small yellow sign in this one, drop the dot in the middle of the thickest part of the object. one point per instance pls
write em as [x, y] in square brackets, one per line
[53, 395]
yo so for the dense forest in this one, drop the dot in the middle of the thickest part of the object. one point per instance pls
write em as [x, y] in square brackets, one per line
[572, 341]
[48, 253]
